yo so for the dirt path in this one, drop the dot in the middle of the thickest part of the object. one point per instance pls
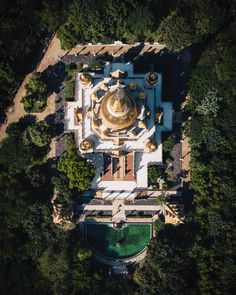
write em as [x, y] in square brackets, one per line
[51, 56]
[185, 151]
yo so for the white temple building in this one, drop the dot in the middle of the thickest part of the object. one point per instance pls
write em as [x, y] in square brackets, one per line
[118, 119]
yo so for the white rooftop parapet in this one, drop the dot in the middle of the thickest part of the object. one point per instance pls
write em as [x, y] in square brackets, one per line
[118, 43]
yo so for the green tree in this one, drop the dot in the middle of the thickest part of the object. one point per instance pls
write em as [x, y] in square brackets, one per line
[54, 266]
[38, 134]
[175, 32]
[64, 193]
[36, 175]
[78, 170]
[210, 104]
[36, 94]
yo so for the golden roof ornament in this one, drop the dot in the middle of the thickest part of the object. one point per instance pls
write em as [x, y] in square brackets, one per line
[142, 95]
[150, 146]
[94, 96]
[90, 111]
[79, 114]
[152, 78]
[95, 124]
[158, 116]
[132, 133]
[104, 87]
[117, 74]
[104, 133]
[119, 83]
[132, 86]
[142, 124]
[85, 79]
[86, 145]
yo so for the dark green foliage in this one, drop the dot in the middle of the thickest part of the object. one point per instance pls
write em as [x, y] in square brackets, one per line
[154, 172]
[168, 268]
[15, 155]
[69, 90]
[175, 32]
[95, 65]
[181, 28]
[213, 168]
[35, 99]
[168, 144]
[69, 141]
[64, 193]
[37, 134]
[105, 22]
[78, 170]
[36, 176]
[23, 26]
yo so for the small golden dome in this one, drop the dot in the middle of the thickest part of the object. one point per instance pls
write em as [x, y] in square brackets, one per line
[132, 86]
[86, 145]
[150, 146]
[152, 78]
[85, 79]
[142, 95]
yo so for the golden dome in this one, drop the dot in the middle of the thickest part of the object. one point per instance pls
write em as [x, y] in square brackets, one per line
[132, 86]
[142, 95]
[118, 110]
[86, 145]
[151, 146]
[152, 78]
[85, 79]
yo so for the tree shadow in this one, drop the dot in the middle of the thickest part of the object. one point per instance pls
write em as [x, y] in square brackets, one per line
[54, 76]
[27, 120]
[133, 52]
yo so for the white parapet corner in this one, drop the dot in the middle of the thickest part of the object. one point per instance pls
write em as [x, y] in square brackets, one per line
[118, 42]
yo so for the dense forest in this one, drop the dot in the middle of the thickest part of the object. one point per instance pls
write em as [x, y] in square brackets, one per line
[197, 257]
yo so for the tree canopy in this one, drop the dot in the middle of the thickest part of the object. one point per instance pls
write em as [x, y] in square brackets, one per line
[78, 170]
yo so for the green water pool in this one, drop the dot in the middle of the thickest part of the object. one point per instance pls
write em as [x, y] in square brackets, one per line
[118, 243]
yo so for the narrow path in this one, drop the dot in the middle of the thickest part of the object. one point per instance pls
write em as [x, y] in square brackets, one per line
[185, 151]
[51, 56]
